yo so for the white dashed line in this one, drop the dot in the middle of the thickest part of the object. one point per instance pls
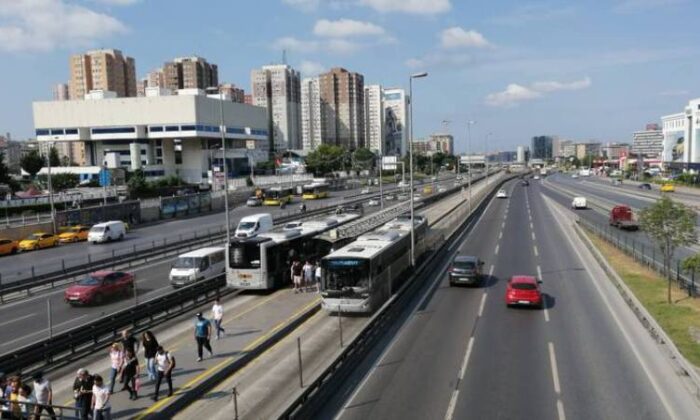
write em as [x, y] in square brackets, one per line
[503, 225]
[539, 273]
[560, 410]
[462, 372]
[532, 227]
[483, 303]
[555, 371]
[491, 271]
[500, 235]
[534, 248]
[496, 250]
[533, 236]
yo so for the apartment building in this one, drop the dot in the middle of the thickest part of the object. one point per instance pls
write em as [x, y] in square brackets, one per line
[374, 119]
[106, 69]
[342, 108]
[278, 88]
[185, 73]
[310, 114]
[61, 92]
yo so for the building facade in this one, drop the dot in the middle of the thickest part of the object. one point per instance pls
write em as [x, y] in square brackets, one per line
[674, 128]
[310, 114]
[649, 143]
[520, 154]
[542, 147]
[278, 89]
[176, 135]
[233, 92]
[61, 92]
[107, 70]
[185, 73]
[374, 119]
[568, 148]
[342, 108]
[442, 143]
[396, 121]
[615, 151]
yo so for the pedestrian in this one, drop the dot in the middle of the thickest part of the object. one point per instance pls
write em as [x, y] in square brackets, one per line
[26, 401]
[82, 391]
[129, 342]
[165, 363]
[101, 408]
[308, 271]
[15, 386]
[43, 394]
[116, 359]
[218, 314]
[130, 371]
[150, 345]
[297, 273]
[202, 334]
[317, 273]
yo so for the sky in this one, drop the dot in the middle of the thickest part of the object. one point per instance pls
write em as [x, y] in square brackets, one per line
[582, 70]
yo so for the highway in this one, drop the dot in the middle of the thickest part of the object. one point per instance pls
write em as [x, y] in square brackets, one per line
[463, 354]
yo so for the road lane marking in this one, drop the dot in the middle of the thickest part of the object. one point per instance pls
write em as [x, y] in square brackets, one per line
[560, 410]
[16, 319]
[503, 225]
[496, 251]
[539, 273]
[491, 271]
[483, 303]
[532, 227]
[45, 330]
[462, 371]
[533, 236]
[500, 235]
[555, 371]
[534, 248]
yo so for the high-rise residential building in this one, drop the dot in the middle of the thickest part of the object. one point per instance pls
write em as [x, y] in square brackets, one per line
[61, 92]
[396, 120]
[141, 86]
[422, 147]
[278, 88]
[614, 151]
[310, 113]
[443, 143]
[156, 78]
[542, 147]
[374, 119]
[186, 73]
[343, 108]
[248, 99]
[588, 149]
[107, 70]
[649, 142]
[520, 154]
[568, 148]
[232, 92]
[674, 127]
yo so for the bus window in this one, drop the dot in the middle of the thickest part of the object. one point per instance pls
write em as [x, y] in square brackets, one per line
[244, 255]
[346, 276]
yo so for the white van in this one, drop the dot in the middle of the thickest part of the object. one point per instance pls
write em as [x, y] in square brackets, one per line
[579, 203]
[253, 225]
[198, 265]
[107, 231]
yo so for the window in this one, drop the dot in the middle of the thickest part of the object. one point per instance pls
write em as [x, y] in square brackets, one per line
[42, 132]
[113, 130]
[172, 128]
[71, 131]
[235, 130]
[155, 129]
[57, 131]
[188, 128]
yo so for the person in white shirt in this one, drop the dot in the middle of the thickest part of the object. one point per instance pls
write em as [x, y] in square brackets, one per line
[43, 394]
[102, 409]
[165, 363]
[218, 314]
[318, 276]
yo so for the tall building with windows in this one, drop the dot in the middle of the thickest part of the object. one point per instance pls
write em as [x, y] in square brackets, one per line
[396, 121]
[649, 142]
[342, 108]
[542, 147]
[310, 113]
[232, 92]
[374, 119]
[185, 73]
[278, 88]
[107, 70]
[61, 92]
[442, 143]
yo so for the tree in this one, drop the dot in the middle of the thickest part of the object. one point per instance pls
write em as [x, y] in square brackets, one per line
[326, 158]
[64, 181]
[137, 184]
[32, 163]
[671, 225]
[691, 265]
[65, 161]
[363, 159]
[54, 159]
[4, 172]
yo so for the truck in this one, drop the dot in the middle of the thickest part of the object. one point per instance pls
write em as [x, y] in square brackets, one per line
[622, 217]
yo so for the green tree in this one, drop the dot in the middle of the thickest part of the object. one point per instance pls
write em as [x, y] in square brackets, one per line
[363, 159]
[671, 225]
[4, 171]
[32, 163]
[54, 159]
[326, 158]
[691, 265]
[60, 182]
[65, 161]
[137, 184]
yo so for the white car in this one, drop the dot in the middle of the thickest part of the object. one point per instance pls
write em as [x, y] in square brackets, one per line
[373, 202]
[579, 203]
[402, 197]
[536, 177]
[364, 191]
[501, 194]
[574, 176]
[441, 189]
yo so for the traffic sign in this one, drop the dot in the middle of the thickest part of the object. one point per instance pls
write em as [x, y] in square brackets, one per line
[105, 178]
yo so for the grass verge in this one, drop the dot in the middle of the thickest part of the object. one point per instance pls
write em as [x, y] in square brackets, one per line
[680, 320]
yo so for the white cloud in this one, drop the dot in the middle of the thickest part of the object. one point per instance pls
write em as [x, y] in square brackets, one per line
[536, 12]
[419, 7]
[346, 28]
[515, 93]
[333, 46]
[456, 37]
[632, 6]
[41, 25]
[311, 68]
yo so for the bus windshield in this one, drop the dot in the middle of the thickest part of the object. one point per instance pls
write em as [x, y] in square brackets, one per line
[347, 276]
[244, 255]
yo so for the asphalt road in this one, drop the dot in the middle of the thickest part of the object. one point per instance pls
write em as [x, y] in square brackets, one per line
[464, 354]
[27, 321]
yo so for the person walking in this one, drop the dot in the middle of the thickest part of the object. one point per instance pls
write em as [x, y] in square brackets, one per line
[82, 391]
[43, 394]
[116, 359]
[317, 273]
[308, 271]
[297, 273]
[150, 346]
[202, 334]
[26, 402]
[165, 363]
[217, 312]
[130, 370]
[101, 407]
[14, 397]
[129, 342]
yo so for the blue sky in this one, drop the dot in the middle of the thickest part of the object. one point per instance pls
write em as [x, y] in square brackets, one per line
[594, 69]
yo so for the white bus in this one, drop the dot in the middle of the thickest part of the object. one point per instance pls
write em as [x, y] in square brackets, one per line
[361, 276]
[263, 262]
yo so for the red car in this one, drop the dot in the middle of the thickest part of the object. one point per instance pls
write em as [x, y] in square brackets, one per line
[99, 286]
[524, 290]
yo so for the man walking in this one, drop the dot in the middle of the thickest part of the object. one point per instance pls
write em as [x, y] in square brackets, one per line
[308, 270]
[82, 391]
[297, 273]
[218, 314]
[165, 363]
[202, 333]
[317, 273]
[43, 395]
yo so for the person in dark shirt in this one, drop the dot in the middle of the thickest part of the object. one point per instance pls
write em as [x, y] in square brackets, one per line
[82, 391]
[130, 371]
[129, 342]
[150, 347]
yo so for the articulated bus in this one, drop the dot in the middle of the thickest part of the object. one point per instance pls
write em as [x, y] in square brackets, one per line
[315, 191]
[361, 276]
[278, 195]
[263, 262]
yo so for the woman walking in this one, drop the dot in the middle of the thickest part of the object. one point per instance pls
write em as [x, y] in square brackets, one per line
[116, 358]
[130, 371]
[150, 346]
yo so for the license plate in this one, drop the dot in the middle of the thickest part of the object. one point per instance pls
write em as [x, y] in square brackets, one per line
[524, 302]
[245, 283]
[72, 298]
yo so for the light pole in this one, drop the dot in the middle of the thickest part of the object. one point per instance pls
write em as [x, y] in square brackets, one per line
[53, 210]
[410, 162]
[222, 131]
[381, 188]
[469, 162]
[486, 160]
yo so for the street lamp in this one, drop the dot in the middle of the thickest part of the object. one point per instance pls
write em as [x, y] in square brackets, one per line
[222, 131]
[486, 160]
[469, 162]
[53, 210]
[410, 161]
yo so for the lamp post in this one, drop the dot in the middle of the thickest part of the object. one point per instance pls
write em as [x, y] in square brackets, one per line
[486, 160]
[410, 162]
[222, 131]
[53, 210]
[469, 162]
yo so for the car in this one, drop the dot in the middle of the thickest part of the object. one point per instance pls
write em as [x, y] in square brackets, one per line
[465, 269]
[524, 290]
[668, 188]
[38, 240]
[441, 189]
[99, 286]
[536, 177]
[579, 203]
[364, 191]
[389, 197]
[501, 194]
[74, 234]
[417, 197]
[457, 183]
[402, 197]
[434, 179]
[403, 184]
[617, 182]
[8, 246]
[253, 202]
[574, 176]
[292, 225]
[524, 182]
[373, 202]
[644, 186]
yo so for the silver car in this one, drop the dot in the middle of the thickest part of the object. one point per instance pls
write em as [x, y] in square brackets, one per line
[253, 202]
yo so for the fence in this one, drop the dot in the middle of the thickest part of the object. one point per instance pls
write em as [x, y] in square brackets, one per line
[644, 253]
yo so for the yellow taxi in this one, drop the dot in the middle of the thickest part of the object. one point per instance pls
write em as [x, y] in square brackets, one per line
[668, 188]
[38, 240]
[8, 246]
[74, 234]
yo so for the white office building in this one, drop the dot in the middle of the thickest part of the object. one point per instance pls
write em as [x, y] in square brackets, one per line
[310, 114]
[162, 135]
[396, 120]
[374, 119]
[277, 88]
[520, 154]
[674, 130]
